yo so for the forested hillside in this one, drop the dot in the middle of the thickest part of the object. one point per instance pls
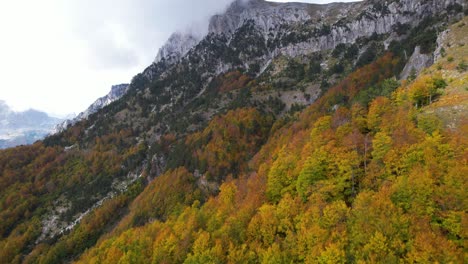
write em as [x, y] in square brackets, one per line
[246, 151]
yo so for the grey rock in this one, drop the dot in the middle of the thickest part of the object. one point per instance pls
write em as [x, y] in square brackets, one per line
[404, 12]
[440, 41]
[417, 62]
[265, 15]
[176, 47]
[117, 91]
[256, 32]
[360, 20]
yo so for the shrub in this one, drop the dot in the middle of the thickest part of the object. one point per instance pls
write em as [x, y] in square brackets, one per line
[462, 66]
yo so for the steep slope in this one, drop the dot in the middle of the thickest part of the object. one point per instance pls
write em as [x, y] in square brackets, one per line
[195, 122]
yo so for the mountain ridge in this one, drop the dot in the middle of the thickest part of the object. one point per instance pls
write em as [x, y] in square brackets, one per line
[116, 92]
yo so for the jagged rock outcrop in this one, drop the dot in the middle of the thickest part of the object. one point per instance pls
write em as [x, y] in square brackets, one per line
[416, 63]
[266, 15]
[295, 29]
[439, 52]
[116, 92]
[331, 24]
[176, 47]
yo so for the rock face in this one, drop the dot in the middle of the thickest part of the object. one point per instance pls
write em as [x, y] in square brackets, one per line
[295, 29]
[116, 92]
[416, 63]
[332, 24]
[251, 34]
[265, 15]
[176, 47]
[438, 53]
[21, 128]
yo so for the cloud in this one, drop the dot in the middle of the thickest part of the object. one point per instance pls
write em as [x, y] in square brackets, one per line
[125, 33]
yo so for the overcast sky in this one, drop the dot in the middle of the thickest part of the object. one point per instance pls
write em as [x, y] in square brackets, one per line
[59, 56]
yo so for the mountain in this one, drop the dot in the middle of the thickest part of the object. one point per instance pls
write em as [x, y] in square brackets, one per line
[176, 47]
[22, 128]
[116, 92]
[254, 44]
[288, 133]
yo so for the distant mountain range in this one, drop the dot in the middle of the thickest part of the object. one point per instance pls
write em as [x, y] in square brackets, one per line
[23, 128]
[20, 128]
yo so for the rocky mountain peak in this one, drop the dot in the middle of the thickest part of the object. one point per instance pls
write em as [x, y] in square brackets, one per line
[266, 15]
[176, 47]
[116, 92]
